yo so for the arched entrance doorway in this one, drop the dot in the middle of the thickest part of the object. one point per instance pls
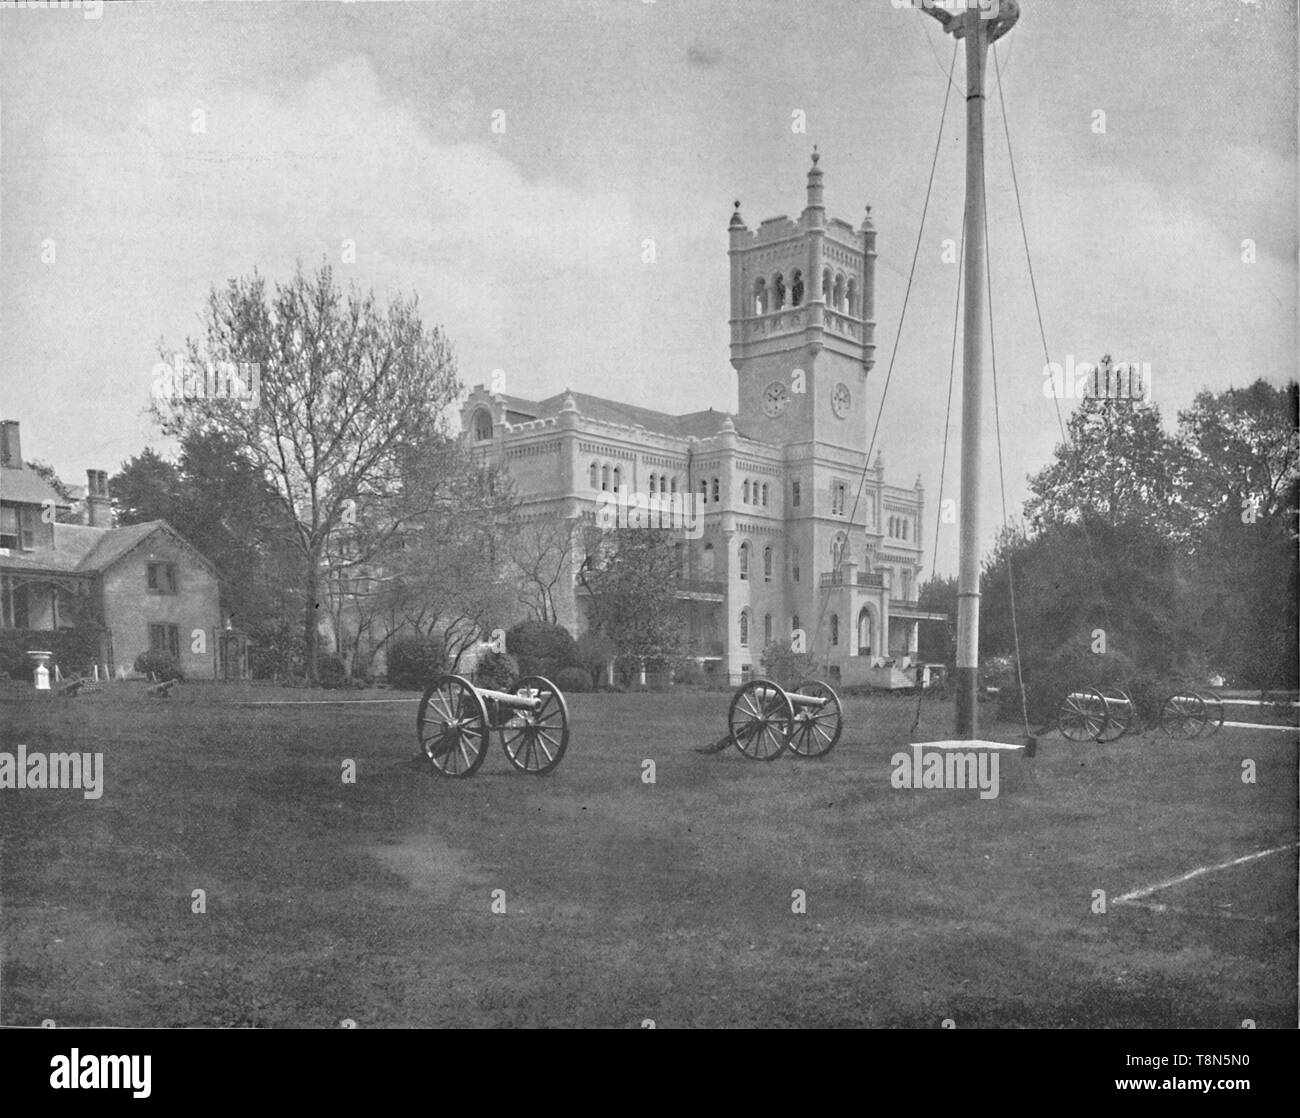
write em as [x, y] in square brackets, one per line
[866, 631]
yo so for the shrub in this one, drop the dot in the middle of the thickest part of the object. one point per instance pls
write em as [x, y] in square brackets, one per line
[414, 660]
[689, 673]
[785, 667]
[496, 671]
[75, 650]
[594, 651]
[541, 648]
[573, 679]
[161, 665]
[331, 671]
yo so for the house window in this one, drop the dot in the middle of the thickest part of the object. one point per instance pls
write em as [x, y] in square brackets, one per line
[835, 628]
[794, 566]
[744, 560]
[746, 492]
[704, 491]
[654, 481]
[618, 479]
[767, 564]
[165, 638]
[706, 560]
[839, 492]
[595, 476]
[767, 630]
[604, 477]
[482, 426]
[744, 628]
[673, 485]
[837, 549]
[794, 626]
[17, 527]
[765, 495]
[161, 577]
[794, 494]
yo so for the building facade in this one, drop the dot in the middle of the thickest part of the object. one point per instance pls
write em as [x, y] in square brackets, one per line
[120, 591]
[792, 534]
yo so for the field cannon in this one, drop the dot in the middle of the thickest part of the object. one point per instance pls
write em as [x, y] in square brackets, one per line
[1107, 714]
[764, 720]
[456, 722]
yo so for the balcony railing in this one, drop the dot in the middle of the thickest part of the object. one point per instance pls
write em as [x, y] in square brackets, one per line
[865, 578]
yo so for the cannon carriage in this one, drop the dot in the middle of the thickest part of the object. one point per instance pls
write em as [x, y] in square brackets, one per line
[1107, 714]
[456, 721]
[764, 720]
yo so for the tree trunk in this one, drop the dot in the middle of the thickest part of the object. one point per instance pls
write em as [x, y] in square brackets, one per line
[311, 609]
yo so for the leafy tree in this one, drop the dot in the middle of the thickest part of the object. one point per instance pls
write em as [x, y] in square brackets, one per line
[46, 471]
[1119, 466]
[936, 642]
[349, 391]
[631, 575]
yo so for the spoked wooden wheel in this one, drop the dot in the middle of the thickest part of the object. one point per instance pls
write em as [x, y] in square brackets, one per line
[535, 740]
[452, 726]
[760, 720]
[816, 728]
[1083, 715]
[1183, 715]
[1120, 715]
[1213, 712]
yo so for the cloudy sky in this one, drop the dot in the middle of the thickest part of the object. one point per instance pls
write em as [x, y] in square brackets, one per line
[628, 120]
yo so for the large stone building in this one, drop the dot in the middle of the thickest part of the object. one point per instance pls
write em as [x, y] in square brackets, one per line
[797, 530]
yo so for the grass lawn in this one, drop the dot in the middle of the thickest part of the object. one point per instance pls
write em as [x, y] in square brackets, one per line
[626, 900]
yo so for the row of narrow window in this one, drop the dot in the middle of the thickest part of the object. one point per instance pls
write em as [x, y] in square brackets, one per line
[757, 491]
[837, 292]
[898, 527]
[833, 627]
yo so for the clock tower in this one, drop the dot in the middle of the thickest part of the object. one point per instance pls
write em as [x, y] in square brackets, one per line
[802, 329]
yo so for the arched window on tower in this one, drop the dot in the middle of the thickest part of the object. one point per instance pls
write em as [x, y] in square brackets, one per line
[835, 628]
[604, 477]
[904, 529]
[482, 426]
[838, 293]
[760, 296]
[746, 491]
[826, 286]
[767, 564]
[704, 491]
[716, 490]
[674, 485]
[706, 560]
[765, 494]
[796, 288]
[744, 560]
[744, 628]
[767, 629]
[778, 292]
[654, 480]
[851, 296]
[618, 478]
[595, 476]
[837, 550]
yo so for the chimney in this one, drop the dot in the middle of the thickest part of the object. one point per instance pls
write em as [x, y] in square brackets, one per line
[99, 509]
[11, 448]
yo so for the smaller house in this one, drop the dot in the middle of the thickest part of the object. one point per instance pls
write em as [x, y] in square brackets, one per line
[99, 595]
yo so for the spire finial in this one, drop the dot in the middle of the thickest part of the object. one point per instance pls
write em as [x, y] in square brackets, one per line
[816, 156]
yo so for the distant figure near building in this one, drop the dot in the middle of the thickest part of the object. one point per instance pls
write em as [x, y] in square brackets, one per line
[786, 542]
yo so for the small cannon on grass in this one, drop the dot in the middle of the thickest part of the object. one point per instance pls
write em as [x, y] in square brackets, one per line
[456, 721]
[1107, 714]
[764, 720]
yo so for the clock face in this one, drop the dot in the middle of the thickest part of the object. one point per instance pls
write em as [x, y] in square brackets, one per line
[775, 399]
[840, 400]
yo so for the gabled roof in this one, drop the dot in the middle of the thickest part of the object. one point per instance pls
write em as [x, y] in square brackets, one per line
[701, 424]
[27, 487]
[82, 550]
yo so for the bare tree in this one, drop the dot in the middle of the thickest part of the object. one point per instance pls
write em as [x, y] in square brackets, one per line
[541, 554]
[332, 396]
